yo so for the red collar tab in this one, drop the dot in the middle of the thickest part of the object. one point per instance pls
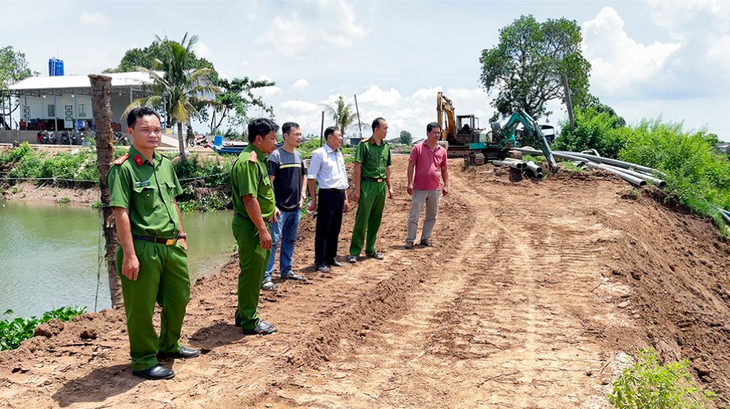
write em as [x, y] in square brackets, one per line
[252, 157]
[138, 160]
[372, 141]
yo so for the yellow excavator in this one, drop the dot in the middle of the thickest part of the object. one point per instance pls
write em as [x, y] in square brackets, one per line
[462, 137]
[457, 131]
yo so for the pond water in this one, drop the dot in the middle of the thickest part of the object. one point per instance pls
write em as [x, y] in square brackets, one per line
[49, 255]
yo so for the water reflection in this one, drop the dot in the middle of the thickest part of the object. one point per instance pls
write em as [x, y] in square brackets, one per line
[49, 254]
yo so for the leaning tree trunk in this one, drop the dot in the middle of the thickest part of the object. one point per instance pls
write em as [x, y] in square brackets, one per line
[101, 98]
[181, 140]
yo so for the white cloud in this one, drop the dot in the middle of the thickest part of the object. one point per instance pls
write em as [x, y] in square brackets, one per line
[619, 63]
[379, 96]
[465, 93]
[267, 92]
[426, 93]
[95, 19]
[202, 50]
[300, 85]
[300, 106]
[329, 24]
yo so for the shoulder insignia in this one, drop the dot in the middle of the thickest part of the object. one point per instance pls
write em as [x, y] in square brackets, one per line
[371, 141]
[252, 156]
[138, 160]
[121, 159]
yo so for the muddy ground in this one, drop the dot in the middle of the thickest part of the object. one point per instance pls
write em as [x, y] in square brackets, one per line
[534, 295]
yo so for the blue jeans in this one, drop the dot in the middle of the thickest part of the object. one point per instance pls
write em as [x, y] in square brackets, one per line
[285, 230]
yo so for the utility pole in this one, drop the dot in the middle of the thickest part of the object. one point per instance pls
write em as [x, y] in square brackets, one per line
[101, 99]
[568, 102]
[321, 132]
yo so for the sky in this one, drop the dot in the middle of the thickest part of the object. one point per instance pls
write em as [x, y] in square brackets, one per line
[650, 58]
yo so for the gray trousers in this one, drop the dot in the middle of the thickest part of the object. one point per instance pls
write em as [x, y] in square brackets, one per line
[429, 198]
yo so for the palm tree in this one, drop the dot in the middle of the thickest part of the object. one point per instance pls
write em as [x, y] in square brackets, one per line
[180, 88]
[342, 114]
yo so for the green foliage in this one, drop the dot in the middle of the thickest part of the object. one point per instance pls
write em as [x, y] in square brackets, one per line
[696, 175]
[13, 332]
[594, 129]
[13, 68]
[527, 65]
[649, 385]
[234, 100]
[405, 137]
[208, 171]
[343, 114]
[63, 200]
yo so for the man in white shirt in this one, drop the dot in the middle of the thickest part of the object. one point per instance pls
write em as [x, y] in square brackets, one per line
[327, 168]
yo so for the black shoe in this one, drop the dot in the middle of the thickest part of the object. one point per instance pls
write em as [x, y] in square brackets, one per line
[377, 255]
[293, 276]
[155, 373]
[263, 328]
[322, 269]
[184, 352]
[335, 264]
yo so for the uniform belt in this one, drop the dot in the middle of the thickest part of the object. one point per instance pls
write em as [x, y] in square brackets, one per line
[335, 190]
[158, 240]
[379, 180]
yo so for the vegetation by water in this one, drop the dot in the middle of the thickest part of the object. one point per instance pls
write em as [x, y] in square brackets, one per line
[13, 332]
[697, 176]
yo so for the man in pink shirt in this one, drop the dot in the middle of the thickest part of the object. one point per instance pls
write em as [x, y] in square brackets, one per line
[428, 160]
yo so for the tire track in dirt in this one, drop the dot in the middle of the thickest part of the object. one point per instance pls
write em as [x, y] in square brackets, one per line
[498, 323]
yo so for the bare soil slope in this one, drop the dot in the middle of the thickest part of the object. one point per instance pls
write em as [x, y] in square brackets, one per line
[531, 298]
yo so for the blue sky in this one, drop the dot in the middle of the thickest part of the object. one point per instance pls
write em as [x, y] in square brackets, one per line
[650, 58]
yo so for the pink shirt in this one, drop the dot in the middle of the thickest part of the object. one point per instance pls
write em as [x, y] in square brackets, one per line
[428, 166]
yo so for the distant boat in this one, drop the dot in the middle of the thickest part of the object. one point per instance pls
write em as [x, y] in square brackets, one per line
[230, 148]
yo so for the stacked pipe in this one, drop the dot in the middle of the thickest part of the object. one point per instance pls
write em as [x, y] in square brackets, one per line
[520, 165]
[635, 174]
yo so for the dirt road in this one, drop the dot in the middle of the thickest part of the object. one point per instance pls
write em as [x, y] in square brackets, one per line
[528, 300]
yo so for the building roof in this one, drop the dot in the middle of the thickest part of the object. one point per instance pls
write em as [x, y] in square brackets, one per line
[80, 83]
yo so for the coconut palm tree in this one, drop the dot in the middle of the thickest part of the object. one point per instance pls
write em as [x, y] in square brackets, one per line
[342, 114]
[177, 86]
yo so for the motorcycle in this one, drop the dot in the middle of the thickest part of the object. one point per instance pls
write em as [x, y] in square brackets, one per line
[68, 138]
[199, 140]
[45, 137]
[120, 138]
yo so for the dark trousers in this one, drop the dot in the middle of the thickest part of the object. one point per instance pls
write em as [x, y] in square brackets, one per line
[331, 204]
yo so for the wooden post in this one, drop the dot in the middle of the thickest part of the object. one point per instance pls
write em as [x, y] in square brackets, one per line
[568, 102]
[101, 99]
[321, 132]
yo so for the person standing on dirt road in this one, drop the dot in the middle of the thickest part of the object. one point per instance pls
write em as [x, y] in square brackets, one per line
[427, 162]
[372, 180]
[288, 177]
[254, 210]
[152, 256]
[327, 169]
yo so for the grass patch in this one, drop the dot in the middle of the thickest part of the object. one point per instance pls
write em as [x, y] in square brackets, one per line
[13, 332]
[649, 385]
[63, 200]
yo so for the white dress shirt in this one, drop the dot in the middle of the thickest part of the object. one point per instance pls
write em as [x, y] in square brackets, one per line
[328, 168]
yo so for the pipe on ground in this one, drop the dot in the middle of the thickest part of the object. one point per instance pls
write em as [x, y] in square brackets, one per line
[625, 176]
[511, 164]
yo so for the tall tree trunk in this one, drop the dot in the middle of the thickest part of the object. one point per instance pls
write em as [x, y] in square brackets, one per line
[181, 140]
[101, 98]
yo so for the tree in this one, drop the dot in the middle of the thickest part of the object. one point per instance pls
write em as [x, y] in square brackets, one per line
[13, 69]
[181, 89]
[527, 65]
[145, 57]
[235, 98]
[101, 97]
[405, 137]
[342, 114]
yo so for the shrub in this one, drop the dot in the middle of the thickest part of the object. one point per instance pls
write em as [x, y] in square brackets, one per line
[593, 130]
[648, 385]
[13, 332]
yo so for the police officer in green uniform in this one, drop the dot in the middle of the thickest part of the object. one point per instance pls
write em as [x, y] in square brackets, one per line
[254, 208]
[372, 180]
[152, 256]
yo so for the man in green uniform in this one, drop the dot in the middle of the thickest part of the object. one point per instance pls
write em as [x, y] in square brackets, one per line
[152, 256]
[372, 180]
[254, 208]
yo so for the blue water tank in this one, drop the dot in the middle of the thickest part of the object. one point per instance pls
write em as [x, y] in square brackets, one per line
[55, 67]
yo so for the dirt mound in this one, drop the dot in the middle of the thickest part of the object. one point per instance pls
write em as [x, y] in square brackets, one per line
[532, 297]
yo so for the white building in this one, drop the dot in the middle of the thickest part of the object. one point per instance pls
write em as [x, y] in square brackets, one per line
[64, 102]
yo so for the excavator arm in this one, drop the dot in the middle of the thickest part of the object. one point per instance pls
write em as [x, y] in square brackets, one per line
[521, 117]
